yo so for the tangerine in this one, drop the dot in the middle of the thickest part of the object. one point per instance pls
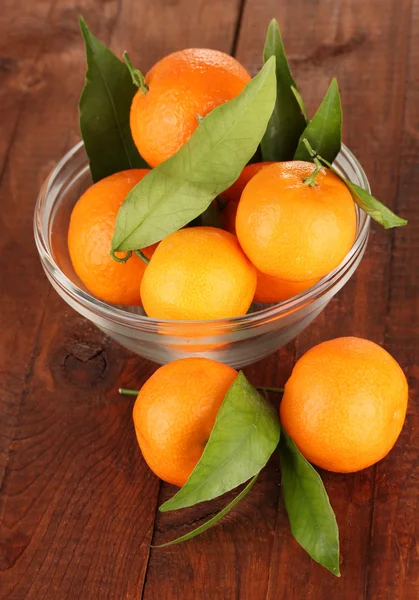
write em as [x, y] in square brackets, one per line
[175, 413]
[291, 230]
[198, 273]
[271, 289]
[181, 86]
[232, 194]
[345, 404]
[90, 232]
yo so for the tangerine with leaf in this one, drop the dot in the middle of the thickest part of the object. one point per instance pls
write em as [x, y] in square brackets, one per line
[90, 234]
[179, 90]
[175, 412]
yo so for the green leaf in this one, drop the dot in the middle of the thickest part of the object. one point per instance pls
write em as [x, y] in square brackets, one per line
[182, 187]
[312, 520]
[214, 519]
[324, 132]
[301, 104]
[287, 121]
[104, 109]
[373, 207]
[245, 434]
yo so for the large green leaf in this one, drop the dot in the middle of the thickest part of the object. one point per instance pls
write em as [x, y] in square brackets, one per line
[324, 132]
[245, 434]
[214, 520]
[287, 121]
[181, 188]
[312, 520]
[104, 111]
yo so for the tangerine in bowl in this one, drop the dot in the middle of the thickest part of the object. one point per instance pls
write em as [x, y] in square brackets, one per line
[235, 341]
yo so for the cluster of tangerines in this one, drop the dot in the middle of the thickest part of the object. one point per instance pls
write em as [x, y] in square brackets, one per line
[344, 406]
[285, 224]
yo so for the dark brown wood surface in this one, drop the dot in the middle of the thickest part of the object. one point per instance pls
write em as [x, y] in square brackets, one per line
[77, 502]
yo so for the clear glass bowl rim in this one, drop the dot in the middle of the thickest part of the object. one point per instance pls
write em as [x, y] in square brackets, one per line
[179, 328]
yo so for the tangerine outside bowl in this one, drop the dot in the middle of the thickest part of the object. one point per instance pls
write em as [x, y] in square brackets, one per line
[236, 342]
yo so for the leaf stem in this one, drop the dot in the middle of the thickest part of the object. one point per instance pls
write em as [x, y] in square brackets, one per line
[310, 150]
[122, 259]
[143, 257]
[272, 390]
[127, 392]
[311, 180]
[138, 78]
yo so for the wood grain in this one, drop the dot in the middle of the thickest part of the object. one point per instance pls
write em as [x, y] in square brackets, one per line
[78, 508]
[77, 502]
[393, 570]
[344, 39]
[72, 472]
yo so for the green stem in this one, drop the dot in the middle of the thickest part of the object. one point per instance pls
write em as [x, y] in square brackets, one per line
[142, 256]
[136, 75]
[127, 392]
[311, 180]
[122, 259]
[273, 390]
[309, 149]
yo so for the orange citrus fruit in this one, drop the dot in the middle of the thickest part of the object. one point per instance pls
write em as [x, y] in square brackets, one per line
[181, 86]
[271, 289]
[175, 413]
[232, 194]
[345, 404]
[291, 230]
[198, 273]
[90, 234]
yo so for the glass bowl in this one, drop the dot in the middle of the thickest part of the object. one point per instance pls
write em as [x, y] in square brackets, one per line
[237, 342]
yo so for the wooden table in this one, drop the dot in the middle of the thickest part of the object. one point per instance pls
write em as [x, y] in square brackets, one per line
[78, 504]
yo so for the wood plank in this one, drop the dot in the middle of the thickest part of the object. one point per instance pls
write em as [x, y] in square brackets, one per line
[23, 28]
[43, 89]
[77, 504]
[20, 87]
[394, 557]
[349, 39]
[78, 500]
